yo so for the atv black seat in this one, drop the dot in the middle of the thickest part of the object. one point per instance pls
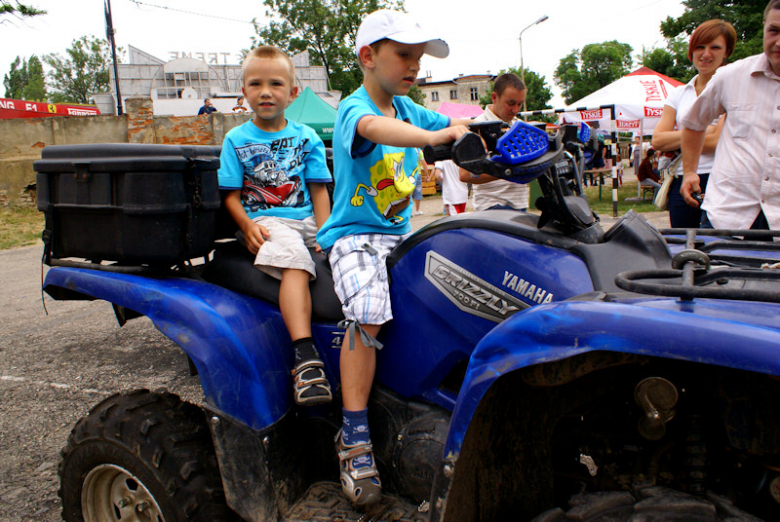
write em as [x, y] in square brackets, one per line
[233, 268]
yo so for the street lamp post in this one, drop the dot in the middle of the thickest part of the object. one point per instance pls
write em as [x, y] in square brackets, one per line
[522, 69]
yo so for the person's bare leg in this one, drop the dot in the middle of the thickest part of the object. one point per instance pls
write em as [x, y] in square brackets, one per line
[295, 302]
[310, 384]
[357, 370]
[358, 474]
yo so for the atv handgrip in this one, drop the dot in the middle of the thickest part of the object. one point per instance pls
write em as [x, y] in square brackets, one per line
[434, 153]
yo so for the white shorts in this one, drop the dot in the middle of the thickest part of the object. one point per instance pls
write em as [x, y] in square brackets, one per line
[287, 246]
[360, 276]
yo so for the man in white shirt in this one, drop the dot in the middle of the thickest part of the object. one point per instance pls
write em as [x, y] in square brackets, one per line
[508, 96]
[744, 186]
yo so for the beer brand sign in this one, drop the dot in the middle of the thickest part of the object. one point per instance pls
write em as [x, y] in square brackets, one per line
[654, 90]
[595, 114]
[628, 124]
[652, 112]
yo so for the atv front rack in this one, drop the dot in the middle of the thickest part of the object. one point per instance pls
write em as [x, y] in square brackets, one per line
[700, 271]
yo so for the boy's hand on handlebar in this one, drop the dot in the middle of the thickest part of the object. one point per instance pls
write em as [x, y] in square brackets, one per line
[448, 134]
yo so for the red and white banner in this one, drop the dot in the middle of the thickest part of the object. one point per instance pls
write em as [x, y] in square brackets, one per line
[25, 109]
[627, 124]
[591, 115]
[653, 112]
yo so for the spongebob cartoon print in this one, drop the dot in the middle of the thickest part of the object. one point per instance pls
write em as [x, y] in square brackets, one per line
[266, 184]
[390, 187]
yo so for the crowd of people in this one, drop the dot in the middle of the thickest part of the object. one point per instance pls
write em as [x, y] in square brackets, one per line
[275, 174]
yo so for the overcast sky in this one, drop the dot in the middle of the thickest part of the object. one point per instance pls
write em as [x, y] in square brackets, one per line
[482, 34]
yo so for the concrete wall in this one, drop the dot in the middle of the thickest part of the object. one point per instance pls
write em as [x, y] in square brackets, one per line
[21, 140]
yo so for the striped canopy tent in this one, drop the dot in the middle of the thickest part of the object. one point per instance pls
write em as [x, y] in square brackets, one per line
[638, 98]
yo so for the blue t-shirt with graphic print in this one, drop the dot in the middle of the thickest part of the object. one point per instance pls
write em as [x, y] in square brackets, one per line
[272, 169]
[373, 181]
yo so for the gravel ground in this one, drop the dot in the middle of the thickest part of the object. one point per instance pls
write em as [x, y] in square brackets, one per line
[54, 367]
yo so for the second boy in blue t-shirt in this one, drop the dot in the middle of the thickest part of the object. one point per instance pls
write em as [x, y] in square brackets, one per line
[275, 173]
[375, 164]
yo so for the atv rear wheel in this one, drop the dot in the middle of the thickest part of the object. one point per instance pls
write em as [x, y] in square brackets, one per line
[146, 457]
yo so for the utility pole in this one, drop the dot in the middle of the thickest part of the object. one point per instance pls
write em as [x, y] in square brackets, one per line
[110, 37]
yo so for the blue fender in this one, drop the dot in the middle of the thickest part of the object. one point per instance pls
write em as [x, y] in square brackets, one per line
[745, 337]
[230, 337]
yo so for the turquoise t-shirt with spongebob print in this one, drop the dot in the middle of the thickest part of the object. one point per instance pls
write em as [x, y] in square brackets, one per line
[373, 181]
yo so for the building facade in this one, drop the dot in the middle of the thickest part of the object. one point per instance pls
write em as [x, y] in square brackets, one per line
[464, 89]
[179, 86]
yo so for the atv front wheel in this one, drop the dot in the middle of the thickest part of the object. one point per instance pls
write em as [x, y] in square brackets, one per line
[144, 456]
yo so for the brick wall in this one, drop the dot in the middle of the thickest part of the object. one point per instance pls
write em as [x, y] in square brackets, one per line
[23, 139]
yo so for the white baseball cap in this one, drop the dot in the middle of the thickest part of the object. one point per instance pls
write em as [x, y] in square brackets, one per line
[399, 27]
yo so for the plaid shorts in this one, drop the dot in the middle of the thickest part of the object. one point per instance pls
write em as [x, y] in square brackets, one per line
[360, 276]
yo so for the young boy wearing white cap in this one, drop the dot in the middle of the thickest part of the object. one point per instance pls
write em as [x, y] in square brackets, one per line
[375, 163]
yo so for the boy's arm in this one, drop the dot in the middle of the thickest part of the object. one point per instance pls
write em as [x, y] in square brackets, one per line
[321, 203]
[397, 133]
[462, 121]
[254, 234]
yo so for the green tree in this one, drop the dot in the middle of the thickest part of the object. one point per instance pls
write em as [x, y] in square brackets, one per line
[16, 79]
[17, 9]
[416, 94]
[671, 61]
[84, 71]
[745, 15]
[536, 99]
[36, 81]
[597, 65]
[26, 80]
[326, 28]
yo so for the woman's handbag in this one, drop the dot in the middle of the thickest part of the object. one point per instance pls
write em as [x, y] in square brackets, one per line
[662, 197]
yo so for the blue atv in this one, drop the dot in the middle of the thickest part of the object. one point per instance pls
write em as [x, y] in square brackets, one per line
[538, 367]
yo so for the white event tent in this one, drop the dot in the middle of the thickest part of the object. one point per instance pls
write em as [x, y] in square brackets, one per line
[638, 98]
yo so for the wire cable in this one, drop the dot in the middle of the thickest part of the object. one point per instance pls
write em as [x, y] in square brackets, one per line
[139, 3]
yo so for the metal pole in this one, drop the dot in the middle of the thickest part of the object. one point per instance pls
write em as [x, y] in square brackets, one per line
[522, 67]
[110, 35]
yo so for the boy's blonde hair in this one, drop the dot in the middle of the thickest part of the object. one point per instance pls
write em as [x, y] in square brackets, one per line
[269, 52]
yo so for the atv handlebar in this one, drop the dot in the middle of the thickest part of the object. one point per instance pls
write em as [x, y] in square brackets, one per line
[434, 153]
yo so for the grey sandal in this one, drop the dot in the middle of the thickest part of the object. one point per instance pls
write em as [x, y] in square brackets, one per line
[362, 485]
[310, 386]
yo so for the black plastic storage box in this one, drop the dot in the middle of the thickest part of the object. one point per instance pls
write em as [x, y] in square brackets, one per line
[130, 203]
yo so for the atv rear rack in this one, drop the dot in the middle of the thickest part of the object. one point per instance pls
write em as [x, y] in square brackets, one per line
[700, 271]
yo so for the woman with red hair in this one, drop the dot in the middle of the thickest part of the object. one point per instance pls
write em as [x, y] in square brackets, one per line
[710, 44]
